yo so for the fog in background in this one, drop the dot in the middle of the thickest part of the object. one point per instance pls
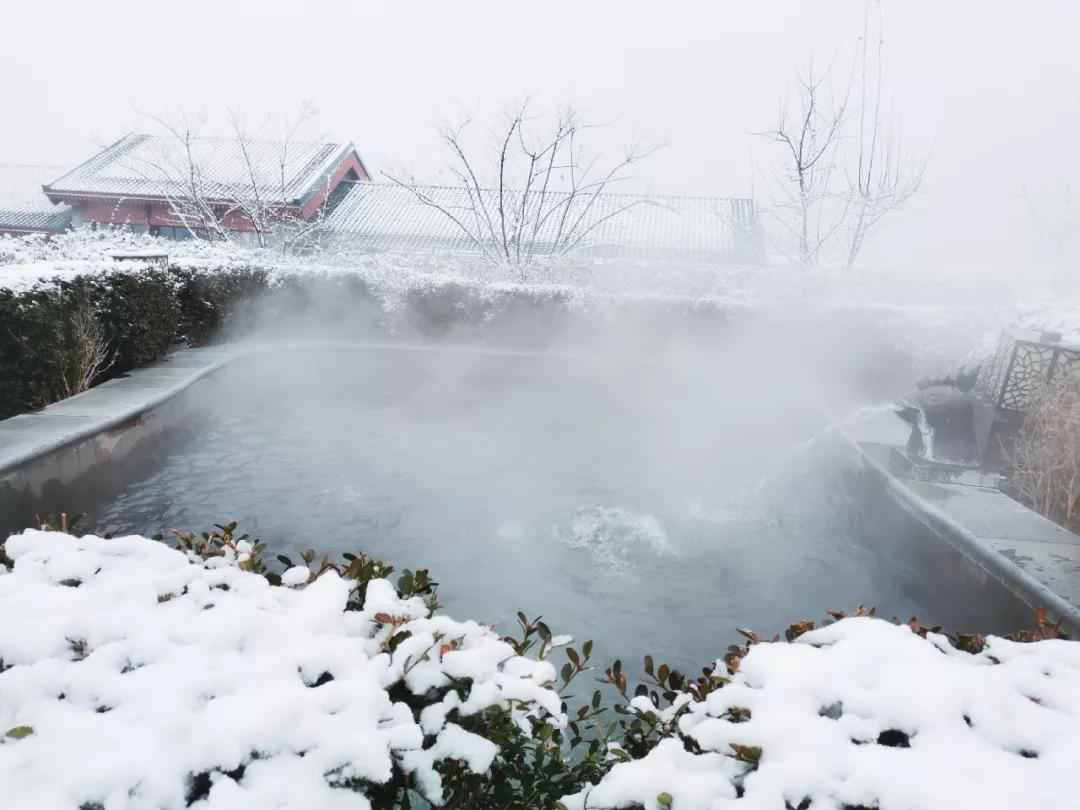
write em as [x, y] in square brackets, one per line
[992, 85]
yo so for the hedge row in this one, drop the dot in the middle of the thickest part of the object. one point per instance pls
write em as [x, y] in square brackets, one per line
[140, 316]
[143, 313]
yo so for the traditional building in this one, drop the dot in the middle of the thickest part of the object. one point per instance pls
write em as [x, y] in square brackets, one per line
[178, 189]
[173, 188]
[388, 216]
[24, 208]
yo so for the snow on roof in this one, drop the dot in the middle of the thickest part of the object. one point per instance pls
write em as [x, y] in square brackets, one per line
[23, 205]
[388, 216]
[141, 165]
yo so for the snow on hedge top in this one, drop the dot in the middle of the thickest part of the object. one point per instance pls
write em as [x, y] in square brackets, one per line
[127, 669]
[864, 713]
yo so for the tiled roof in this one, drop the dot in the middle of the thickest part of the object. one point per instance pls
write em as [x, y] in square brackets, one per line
[140, 165]
[387, 216]
[23, 205]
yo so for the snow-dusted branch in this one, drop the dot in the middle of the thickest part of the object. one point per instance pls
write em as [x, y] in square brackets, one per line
[809, 132]
[533, 192]
[239, 188]
[885, 175]
[843, 164]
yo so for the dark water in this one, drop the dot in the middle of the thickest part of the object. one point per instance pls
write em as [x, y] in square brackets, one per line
[651, 506]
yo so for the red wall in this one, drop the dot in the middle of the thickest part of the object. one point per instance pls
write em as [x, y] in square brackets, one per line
[121, 211]
[129, 212]
[351, 162]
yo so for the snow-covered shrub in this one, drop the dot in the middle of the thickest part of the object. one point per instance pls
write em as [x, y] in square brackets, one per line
[137, 675]
[42, 331]
[134, 675]
[861, 713]
[208, 301]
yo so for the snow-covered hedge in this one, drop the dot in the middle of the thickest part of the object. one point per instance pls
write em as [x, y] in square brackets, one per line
[134, 675]
[913, 322]
[43, 342]
[865, 713]
[143, 310]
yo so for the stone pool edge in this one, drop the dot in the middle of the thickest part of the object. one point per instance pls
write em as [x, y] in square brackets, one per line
[1029, 588]
[71, 421]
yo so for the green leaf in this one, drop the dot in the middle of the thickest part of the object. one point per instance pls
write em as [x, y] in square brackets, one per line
[19, 732]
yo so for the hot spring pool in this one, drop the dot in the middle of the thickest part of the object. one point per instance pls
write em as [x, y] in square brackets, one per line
[650, 506]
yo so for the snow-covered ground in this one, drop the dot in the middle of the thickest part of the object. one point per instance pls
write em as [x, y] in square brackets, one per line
[128, 668]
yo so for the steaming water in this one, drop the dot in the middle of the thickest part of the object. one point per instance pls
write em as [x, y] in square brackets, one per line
[623, 501]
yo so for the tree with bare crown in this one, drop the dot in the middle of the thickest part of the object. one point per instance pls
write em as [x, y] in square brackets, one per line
[885, 175]
[843, 165]
[261, 158]
[535, 191]
[809, 130]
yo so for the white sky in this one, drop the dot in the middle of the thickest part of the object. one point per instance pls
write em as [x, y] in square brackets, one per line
[997, 80]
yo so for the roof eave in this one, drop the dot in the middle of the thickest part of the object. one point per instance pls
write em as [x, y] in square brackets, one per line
[339, 157]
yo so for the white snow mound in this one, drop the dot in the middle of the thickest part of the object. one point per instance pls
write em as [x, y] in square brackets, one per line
[127, 670]
[833, 711]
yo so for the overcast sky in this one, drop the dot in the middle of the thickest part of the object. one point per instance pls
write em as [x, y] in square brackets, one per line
[997, 82]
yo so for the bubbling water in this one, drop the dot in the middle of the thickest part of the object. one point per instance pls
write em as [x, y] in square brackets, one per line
[616, 499]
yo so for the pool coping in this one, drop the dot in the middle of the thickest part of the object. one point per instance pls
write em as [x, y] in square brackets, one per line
[991, 552]
[28, 437]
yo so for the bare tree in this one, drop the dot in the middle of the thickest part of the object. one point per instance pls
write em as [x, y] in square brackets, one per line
[825, 133]
[534, 191]
[249, 182]
[884, 176]
[810, 131]
[90, 355]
